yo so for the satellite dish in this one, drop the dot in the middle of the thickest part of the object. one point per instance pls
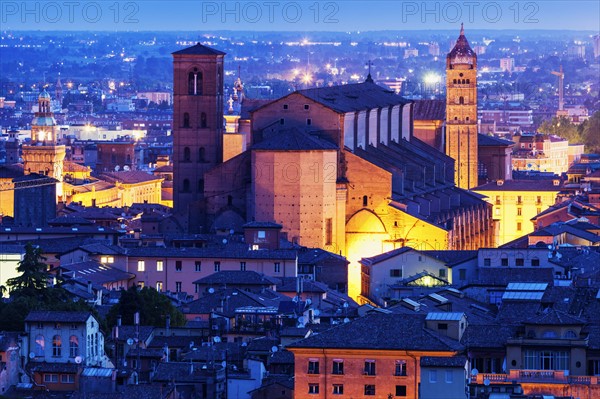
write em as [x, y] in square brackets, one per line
[346, 320]
[244, 344]
[549, 246]
[345, 304]
[295, 299]
[474, 372]
[126, 168]
[274, 348]
[486, 382]
[301, 319]
[211, 290]
[224, 363]
[123, 226]
[224, 240]
[217, 339]
[129, 341]
[78, 359]
[31, 355]
[191, 344]
[117, 168]
[317, 312]
[308, 301]
[231, 231]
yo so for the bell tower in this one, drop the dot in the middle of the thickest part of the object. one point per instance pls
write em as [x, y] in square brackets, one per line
[197, 123]
[461, 111]
[43, 155]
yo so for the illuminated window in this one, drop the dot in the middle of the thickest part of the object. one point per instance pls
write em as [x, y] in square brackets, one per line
[56, 346]
[141, 265]
[107, 259]
[261, 234]
[159, 286]
[159, 266]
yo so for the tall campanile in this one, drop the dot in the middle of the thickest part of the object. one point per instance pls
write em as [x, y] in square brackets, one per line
[197, 125]
[461, 111]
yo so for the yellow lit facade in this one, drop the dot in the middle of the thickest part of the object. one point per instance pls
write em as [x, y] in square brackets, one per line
[515, 203]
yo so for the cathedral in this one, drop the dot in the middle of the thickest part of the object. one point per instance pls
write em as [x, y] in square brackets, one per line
[338, 167]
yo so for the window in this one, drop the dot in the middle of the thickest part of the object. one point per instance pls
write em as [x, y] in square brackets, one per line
[395, 272]
[328, 231]
[186, 120]
[217, 266]
[369, 390]
[39, 345]
[159, 286]
[201, 154]
[178, 266]
[243, 266]
[198, 266]
[141, 266]
[56, 346]
[186, 186]
[282, 121]
[308, 122]
[538, 199]
[177, 286]
[277, 267]
[519, 211]
[365, 200]
[285, 106]
[261, 234]
[520, 262]
[400, 367]
[570, 335]
[504, 261]
[306, 106]
[449, 377]
[433, 376]
[67, 378]
[195, 83]
[73, 346]
[201, 185]
[187, 155]
[519, 226]
[400, 390]
[203, 120]
[313, 388]
[442, 273]
[442, 326]
[159, 265]
[535, 262]
[519, 199]
[338, 389]
[338, 367]
[50, 377]
[487, 262]
[462, 274]
[313, 366]
[107, 259]
[369, 367]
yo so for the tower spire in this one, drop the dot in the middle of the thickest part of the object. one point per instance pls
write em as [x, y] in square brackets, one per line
[462, 29]
[369, 78]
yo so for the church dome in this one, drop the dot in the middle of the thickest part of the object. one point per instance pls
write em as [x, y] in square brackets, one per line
[43, 121]
[44, 95]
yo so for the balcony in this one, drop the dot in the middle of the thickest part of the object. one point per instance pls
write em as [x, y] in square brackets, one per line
[536, 376]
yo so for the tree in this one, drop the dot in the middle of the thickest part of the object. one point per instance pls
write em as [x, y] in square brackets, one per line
[33, 276]
[562, 127]
[152, 305]
[591, 133]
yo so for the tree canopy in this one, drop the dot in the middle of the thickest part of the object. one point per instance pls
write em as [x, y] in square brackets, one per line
[152, 305]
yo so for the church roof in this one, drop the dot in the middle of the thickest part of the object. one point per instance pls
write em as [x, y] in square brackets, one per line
[44, 94]
[294, 140]
[462, 48]
[353, 97]
[429, 110]
[199, 49]
[490, 141]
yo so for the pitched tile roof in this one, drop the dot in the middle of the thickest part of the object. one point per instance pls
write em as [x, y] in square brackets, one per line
[429, 110]
[380, 331]
[57, 316]
[519, 185]
[443, 361]
[294, 140]
[198, 49]
[483, 140]
[236, 277]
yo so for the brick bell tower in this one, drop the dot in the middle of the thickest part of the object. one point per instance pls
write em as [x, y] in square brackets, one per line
[197, 126]
[461, 111]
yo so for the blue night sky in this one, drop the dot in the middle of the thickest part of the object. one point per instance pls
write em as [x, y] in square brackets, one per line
[303, 16]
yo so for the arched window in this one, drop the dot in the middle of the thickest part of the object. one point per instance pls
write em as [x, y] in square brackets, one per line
[454, 81]
[128, 158]
[467, 118]
[56, 346]
[203, 120]
[195, 83]
[229, 200]
[96, 351]
[191, 83]
[468, 81]
[187, 156]
[549, 334]
[40, 345]
[186, 120]
[199, 84]
[463, 81]
[73, 346]
[365, 200]
[461, 100]
[186, 186]
[201, 186]
[201, 154]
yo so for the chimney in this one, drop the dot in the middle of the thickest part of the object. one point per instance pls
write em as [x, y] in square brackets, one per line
[89, 287]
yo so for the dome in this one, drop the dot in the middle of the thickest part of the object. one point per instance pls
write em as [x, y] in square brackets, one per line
[44, 95]
[43, 121]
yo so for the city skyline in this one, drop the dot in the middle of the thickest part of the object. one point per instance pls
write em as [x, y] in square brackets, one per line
[298, 16]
